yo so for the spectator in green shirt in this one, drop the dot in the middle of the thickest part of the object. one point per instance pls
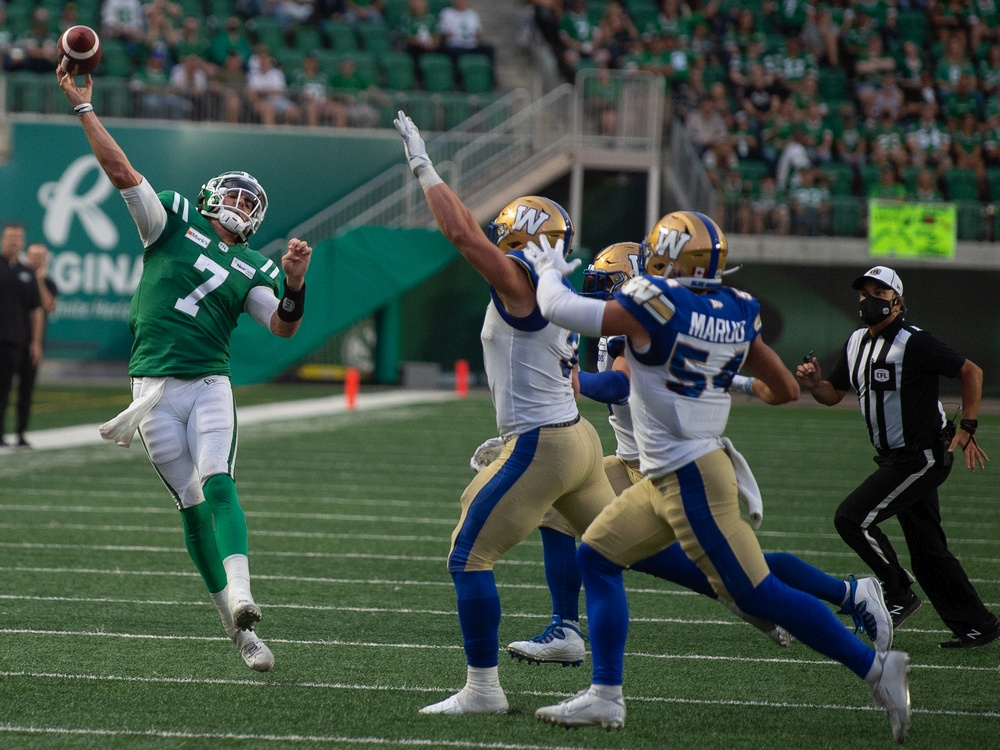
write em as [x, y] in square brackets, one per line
[889, 186]
[230, 37]
[926, 190]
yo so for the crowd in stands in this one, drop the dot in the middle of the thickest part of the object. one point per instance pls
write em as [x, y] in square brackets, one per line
[314, 62]
[793, 103]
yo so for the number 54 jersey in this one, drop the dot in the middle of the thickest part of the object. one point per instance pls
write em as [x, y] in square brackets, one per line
[679, 395]
[192, 291]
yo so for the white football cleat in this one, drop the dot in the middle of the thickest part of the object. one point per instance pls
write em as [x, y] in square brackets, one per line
[469, 701]
[775, 632]
[892, 691]
[866, 606]
[245, 611]
[585, 709]
[254, 651]
[560, 643]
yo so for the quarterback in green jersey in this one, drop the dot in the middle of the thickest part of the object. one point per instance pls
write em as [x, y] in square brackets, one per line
[199, 275]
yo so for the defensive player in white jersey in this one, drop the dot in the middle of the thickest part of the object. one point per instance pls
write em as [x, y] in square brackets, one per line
[198, 276]
[551, 457]
[687, 337]
[562, 642]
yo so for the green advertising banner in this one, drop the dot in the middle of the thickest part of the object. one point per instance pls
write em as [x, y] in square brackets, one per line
[911, 229]
[55, 187]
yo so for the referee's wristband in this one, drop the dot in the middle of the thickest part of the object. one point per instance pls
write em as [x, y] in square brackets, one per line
[969, 425]
[292, 304]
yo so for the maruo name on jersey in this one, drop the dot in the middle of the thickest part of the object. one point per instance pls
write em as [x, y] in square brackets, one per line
[717, 330]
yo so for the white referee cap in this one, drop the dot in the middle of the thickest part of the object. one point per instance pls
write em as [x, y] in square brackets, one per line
[884, 276]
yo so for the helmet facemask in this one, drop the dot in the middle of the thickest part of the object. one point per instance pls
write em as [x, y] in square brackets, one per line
[612, 267]
[237, 187]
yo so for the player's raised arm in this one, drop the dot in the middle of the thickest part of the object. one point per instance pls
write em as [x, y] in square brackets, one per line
[286, 319]
[461, 229]
[109, 154]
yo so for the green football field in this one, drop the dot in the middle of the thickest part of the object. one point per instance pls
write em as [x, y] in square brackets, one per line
[108, 639]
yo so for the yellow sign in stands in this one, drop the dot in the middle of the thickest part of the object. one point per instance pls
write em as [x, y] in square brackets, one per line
[911, 229]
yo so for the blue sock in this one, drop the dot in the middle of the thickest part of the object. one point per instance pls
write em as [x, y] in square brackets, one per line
[561, 573]
[479, 616]
[607, 614]
[809, 620]
[800, 575]
[672, 564]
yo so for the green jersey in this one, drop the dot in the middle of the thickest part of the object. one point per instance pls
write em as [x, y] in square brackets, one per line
[192, 291]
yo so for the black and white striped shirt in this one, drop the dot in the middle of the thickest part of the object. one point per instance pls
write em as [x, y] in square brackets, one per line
[895, 375]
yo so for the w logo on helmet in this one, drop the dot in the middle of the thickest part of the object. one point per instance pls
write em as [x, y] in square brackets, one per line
[671, 242]
[529, 218]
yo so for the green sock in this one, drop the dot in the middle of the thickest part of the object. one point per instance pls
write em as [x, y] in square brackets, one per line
[230, 523]
[199, 538]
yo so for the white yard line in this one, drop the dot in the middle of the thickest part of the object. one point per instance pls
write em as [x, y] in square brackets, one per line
[87, 434]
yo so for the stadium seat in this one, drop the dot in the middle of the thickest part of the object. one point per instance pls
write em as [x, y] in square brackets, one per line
[422, 110]
[367, 67]
[221, 8]
[267, 31]
[753, 170]
[308, 38]
[993, 180]
[832, 83]
[961, 184]
[457, 109]
[713, 74]
[393, 12]
[399, 71]
[342, 37]
[375, 38]
[912, 26]
[477, 73]
[437, 72]
[841, 177]
[870, 175]
[289, 60]
[909, 175]
[969, 214]
[115, 61]
[847, 214]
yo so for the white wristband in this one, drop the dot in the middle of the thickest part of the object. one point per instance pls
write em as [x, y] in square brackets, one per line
[743, 383]
[82, 109]
[428, 177]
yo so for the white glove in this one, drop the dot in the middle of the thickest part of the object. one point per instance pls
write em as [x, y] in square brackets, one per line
[416, 151]
[486, 454]
[544, 256]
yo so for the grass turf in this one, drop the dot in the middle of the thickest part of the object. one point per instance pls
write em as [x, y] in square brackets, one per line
[109, 639]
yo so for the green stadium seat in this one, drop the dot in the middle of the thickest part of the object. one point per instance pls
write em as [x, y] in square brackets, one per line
[841, 177]
[993, 180]
[367, 67]
[847, 214]
[477, 73]
[112, 98]
[961, 184]
[393, 12]
[422, 109]
[457, 109]
[115, 61]
[308, 38]
[375, 38]
[870, 175]
[753, 170]
[969, 216]
[912, 26]
[289, 60]
[909, 175]
[221, 8]
[399, 71]
[713, 74]
[342, 37]
[267, 31]
[832, 83]
[437, 72]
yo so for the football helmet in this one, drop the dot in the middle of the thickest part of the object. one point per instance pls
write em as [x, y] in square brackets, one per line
[526, 219]
[243, 223]
[688, 247]
[612, 267]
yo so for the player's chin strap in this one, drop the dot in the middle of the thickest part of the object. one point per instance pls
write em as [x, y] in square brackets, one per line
[734, 269]
[121, 429]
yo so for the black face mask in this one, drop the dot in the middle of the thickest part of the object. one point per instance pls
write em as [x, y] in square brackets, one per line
[873, 310]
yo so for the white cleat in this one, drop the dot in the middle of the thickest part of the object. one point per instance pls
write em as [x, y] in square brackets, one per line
[469, 701]
[254, 651]
[775, 632]
[560, 643]
[866, 606]
[585, 709]
[246, 613]
[892, 691]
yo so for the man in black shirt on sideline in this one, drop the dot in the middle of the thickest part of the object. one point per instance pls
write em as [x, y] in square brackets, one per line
[894, 367]
[21, 316]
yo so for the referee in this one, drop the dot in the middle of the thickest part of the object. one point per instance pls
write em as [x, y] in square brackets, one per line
[894, 367]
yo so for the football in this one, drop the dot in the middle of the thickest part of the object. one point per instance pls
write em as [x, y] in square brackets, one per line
[79, 50]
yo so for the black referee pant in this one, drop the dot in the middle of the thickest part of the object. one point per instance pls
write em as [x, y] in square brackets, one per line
[27, 375]
[905, 485]
[11, 356]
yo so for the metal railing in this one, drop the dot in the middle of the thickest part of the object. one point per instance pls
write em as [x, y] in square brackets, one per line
[621, 110]
[500, 143]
